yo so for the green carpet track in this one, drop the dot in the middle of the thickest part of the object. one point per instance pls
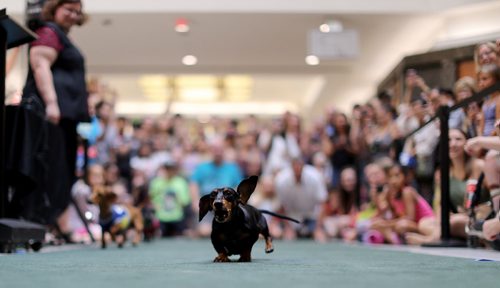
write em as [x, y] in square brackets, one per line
[188, 263]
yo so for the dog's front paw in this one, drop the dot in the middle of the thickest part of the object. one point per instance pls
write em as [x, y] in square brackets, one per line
[222, 258]
[269, 245]
[245, 256]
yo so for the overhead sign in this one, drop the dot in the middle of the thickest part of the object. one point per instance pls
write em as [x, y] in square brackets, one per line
[333, 45]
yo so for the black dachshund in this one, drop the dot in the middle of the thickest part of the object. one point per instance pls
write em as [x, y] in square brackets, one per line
[236, 225]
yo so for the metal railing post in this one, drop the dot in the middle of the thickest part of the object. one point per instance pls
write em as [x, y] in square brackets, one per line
[444, 164]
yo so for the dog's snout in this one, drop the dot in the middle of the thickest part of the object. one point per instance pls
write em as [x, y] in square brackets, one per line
[218, 204]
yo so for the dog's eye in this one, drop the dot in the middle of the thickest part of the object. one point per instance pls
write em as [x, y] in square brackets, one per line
[213, 194]
[229, 197]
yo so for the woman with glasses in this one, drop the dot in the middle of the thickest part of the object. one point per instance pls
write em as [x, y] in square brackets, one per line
[56, 90]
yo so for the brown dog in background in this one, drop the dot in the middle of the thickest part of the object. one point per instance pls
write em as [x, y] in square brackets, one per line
[116, 219]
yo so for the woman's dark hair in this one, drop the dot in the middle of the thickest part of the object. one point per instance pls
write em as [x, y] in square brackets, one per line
[101, 104]
[405, 170]
[346, 128]
[50, 7]
[343, 207]
[388, 108]
[448, 93]
[348, 199]
[468, 163]
[461, 131]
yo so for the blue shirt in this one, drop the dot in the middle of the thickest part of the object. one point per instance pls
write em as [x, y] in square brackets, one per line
[209, 176]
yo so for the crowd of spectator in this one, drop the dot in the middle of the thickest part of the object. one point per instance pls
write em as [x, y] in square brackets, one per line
[355, 177]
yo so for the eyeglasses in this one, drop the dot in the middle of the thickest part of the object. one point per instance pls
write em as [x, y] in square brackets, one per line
[72, 11]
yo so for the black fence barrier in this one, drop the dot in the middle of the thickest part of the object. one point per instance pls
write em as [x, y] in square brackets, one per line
[443, 116]
[444, 148]
[474, 98]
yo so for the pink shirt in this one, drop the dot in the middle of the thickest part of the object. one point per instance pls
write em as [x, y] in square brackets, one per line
[422, 208]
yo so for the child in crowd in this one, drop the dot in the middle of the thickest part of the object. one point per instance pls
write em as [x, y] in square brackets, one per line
[73, 223]
[409, 208]
[374, 222]
[334, 219]
[381, 213]
[376, 179]
[489, 75]
[170, 197]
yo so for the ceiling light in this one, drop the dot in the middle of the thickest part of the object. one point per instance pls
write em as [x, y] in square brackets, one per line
[312, 60]
[201, 110]
[181, 25]
[154, 87]
[189, 60]
[196, 81]
[199, 94]
[331, 26]
[324, 28]
[196, 88]
[153, 80]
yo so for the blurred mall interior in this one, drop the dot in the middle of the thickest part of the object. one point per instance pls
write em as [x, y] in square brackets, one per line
[262, 57]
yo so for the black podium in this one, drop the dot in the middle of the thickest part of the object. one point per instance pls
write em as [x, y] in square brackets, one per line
[12, 232]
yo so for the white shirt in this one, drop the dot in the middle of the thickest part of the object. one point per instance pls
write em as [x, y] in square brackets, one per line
[283, 149]
[301, 200]
[426, 139]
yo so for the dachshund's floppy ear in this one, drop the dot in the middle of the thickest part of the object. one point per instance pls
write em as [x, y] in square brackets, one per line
[204, 206]
[246, 188]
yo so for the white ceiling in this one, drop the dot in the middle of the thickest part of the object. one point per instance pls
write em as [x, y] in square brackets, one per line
[267, 39]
